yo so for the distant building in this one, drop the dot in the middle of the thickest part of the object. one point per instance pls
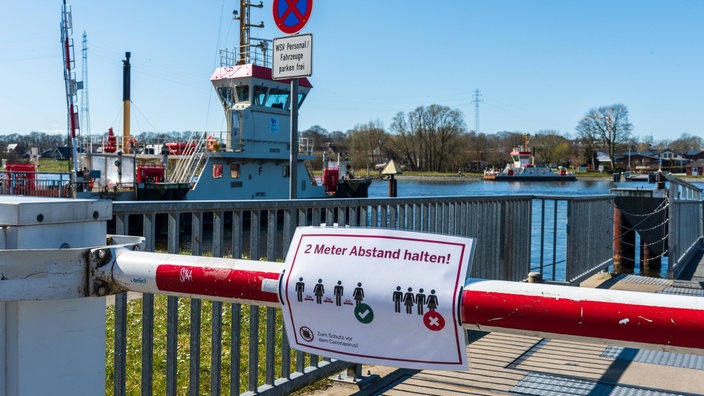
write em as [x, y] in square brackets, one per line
[695, 168]
[57, 153]
[651, 160]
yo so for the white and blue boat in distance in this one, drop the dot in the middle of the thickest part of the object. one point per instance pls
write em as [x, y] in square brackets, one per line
[523, 168]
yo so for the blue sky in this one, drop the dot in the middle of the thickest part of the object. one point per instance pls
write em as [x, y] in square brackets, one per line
[540, 65]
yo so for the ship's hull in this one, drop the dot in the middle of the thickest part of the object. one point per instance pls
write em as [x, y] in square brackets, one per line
[353, 188]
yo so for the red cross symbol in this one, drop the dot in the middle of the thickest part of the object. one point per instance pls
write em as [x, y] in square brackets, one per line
[433, 321]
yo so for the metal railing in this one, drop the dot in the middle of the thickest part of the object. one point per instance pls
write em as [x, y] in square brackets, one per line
[515, 235]
[574, 237]
[36, 184]
[685, 227]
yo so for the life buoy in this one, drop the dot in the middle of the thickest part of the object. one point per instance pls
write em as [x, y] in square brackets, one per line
[562, 172]
[211, 143]
[134, 144]
[510, 172]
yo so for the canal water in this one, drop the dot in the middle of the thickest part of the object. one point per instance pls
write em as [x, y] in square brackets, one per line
[432, 187]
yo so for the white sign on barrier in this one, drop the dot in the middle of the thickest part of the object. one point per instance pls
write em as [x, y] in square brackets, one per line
[377, 296]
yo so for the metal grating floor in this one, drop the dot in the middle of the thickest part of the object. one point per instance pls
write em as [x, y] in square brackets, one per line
[646, 280]
[655, 357]
[553, 385]
[683, 291]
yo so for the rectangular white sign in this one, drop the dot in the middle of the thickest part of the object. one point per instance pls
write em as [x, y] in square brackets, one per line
[377, 296]
[293, 57]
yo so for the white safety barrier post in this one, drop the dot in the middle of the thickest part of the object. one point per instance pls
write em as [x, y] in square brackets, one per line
[52, 337]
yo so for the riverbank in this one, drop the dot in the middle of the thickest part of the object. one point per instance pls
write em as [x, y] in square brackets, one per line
[455, 177]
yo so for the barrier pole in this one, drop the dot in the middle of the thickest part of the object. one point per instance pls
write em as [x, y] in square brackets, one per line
[642, 320]
[615, 317]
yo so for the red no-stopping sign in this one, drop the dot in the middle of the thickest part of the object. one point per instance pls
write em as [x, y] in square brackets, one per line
[291, 15]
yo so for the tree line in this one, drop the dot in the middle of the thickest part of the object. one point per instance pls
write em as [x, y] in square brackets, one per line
[435, 138]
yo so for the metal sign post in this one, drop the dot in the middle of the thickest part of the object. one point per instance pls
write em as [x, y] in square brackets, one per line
[292, 59]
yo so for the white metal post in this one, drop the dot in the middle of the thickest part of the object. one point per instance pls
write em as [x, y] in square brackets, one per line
[52, 339]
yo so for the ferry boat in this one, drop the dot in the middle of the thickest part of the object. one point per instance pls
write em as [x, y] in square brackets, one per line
[523, 168]
[250, 160]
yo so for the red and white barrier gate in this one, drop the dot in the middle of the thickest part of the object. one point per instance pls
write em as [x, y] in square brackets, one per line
[363, 295]
[642, 320]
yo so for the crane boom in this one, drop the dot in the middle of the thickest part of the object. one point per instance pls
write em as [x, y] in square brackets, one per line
[70, 78]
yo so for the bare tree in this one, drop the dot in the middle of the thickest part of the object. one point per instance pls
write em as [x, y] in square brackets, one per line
[551, 147]
[686, 143]
[367, 144]
[427, 137]
[608, 126]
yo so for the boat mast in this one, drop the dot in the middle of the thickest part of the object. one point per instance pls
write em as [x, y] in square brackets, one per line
[126, 68]
[243, 17]
[70, 78]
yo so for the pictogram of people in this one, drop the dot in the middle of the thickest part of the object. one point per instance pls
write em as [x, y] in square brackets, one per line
[396, 298]
[420, 301]
[408, 298]
[300, 288]
[358, 294]
[319, 290]
[432, 301]
[337, 291]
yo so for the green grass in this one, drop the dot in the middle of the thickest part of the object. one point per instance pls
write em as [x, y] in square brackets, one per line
[49, 165]
[134, 346]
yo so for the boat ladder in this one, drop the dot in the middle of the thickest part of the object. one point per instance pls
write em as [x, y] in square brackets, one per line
[311, 175]
[190, 163]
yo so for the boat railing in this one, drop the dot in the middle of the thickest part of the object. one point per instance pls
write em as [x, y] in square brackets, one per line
[566, 238]
[305, 146]
[36, 184]
[259, 52]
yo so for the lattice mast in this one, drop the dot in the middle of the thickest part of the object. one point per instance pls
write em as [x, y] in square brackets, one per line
[243, 17]
[476, 99]
[70, 82]
[85, 111]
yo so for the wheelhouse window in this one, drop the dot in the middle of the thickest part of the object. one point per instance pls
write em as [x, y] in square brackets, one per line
[226, 96]
[301, 98]
[242, 93]
[277, 99]
[234, 171]
[260, 95]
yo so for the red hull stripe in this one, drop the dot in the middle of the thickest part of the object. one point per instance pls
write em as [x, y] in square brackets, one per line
[678, 327]
[216, 282]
